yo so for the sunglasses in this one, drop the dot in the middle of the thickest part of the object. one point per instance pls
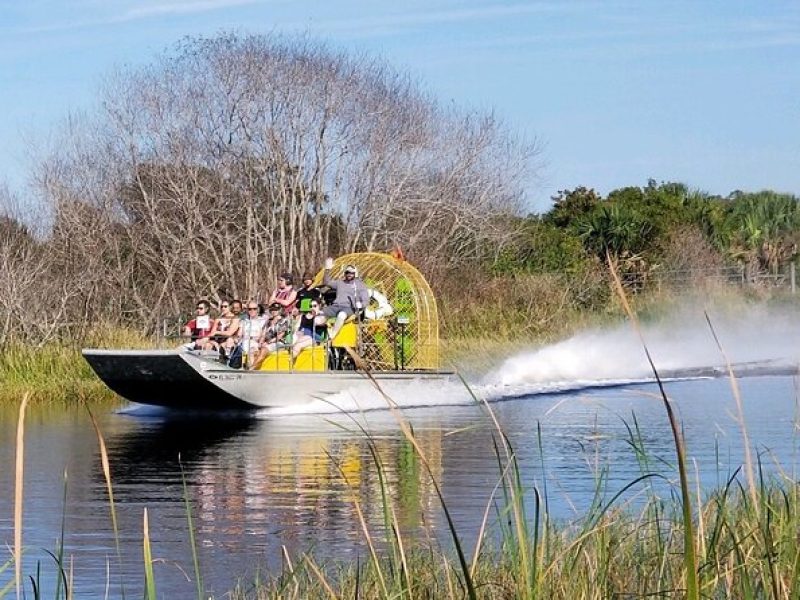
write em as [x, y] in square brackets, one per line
[252, 308]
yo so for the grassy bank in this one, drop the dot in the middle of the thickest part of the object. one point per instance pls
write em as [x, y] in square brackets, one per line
[744, 551]
[49, 373]
[57, 371]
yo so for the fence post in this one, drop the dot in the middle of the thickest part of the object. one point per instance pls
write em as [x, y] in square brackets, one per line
[793, 277]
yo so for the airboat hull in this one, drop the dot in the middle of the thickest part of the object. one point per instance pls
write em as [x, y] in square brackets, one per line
[188, 381]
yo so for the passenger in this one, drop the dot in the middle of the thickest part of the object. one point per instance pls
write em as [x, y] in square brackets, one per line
[351, 295]
[274, 335]
[237, 310]
[201, 329]
[311, 328]
[284, 294]
[250, 331]
[307, 294]
[227, 328]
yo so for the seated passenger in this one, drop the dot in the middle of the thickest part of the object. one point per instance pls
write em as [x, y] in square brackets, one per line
[274, 335]
[352, 295]
[237, 309]
[201, 329]
[227, 328]
[284, 294]
[311, 328]
[307, 294]
[250, 331]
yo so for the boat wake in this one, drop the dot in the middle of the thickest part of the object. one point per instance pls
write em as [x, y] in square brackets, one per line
[596, 359]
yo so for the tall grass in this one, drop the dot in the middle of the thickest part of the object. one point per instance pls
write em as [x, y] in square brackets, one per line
[147, 556]
[57, 371]
[615, 549]
[689, 550]
[739, 541]
[52, 373]
[19, 478]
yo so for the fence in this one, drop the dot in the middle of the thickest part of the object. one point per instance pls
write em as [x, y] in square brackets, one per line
[785, 279]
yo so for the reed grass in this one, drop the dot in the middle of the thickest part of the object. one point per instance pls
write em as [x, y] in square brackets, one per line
[147, 556]
[198, 577]
[747, 549]
[19, 478]
[52, 373]
[623, 554]
[689, 550]
[57, 371]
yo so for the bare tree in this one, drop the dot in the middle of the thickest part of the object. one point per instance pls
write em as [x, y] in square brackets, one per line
[233, 158]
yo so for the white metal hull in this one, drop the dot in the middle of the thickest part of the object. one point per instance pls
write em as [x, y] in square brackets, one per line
[186, 380]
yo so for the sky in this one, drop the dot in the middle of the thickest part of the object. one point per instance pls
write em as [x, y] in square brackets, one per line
[614, 92]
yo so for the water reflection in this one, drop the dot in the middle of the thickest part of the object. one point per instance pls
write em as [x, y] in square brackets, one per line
[255, 486]
[157, 444]
[258, 485]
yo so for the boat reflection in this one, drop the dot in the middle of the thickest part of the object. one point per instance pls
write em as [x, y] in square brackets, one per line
[157, 444]
[258, 484]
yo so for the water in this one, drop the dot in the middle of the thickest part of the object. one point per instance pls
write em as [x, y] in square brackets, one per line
[290, 479]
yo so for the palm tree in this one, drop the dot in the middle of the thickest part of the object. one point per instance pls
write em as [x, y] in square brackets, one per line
[620, 234]
[763, 229]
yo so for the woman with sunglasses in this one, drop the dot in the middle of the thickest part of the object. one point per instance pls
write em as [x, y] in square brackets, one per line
[311, 328]
[227, 328]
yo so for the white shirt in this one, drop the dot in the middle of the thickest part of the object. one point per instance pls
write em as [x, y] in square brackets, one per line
[251, 330]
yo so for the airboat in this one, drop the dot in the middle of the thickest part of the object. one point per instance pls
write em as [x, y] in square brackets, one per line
[391, 348]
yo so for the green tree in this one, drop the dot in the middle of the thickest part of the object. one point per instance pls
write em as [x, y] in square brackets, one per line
[762, 228]
[541, 247]
[571, 205]
[616, 231]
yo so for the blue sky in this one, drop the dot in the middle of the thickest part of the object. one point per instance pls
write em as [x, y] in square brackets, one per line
[616, 92]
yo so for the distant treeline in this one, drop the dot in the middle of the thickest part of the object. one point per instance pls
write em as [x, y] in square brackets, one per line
[232, 159]
[555, 266]
[658, 226]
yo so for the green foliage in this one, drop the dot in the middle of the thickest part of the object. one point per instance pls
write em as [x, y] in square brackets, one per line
[541, 247]
[614, 229]
[571, 205]
[762, 228]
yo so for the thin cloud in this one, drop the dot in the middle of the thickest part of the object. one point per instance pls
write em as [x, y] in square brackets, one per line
[181, 8]
[392, 22]
[143, 12]
[692, 37]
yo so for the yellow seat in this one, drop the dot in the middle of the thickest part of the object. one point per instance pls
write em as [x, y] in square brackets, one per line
[347, 336]
[309, 359]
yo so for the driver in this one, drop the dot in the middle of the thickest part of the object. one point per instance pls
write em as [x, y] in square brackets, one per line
[352, 295]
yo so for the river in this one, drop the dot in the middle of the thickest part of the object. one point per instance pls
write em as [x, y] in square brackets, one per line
[271, 483]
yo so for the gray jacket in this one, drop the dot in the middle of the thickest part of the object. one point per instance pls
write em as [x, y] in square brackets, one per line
[347, 293]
